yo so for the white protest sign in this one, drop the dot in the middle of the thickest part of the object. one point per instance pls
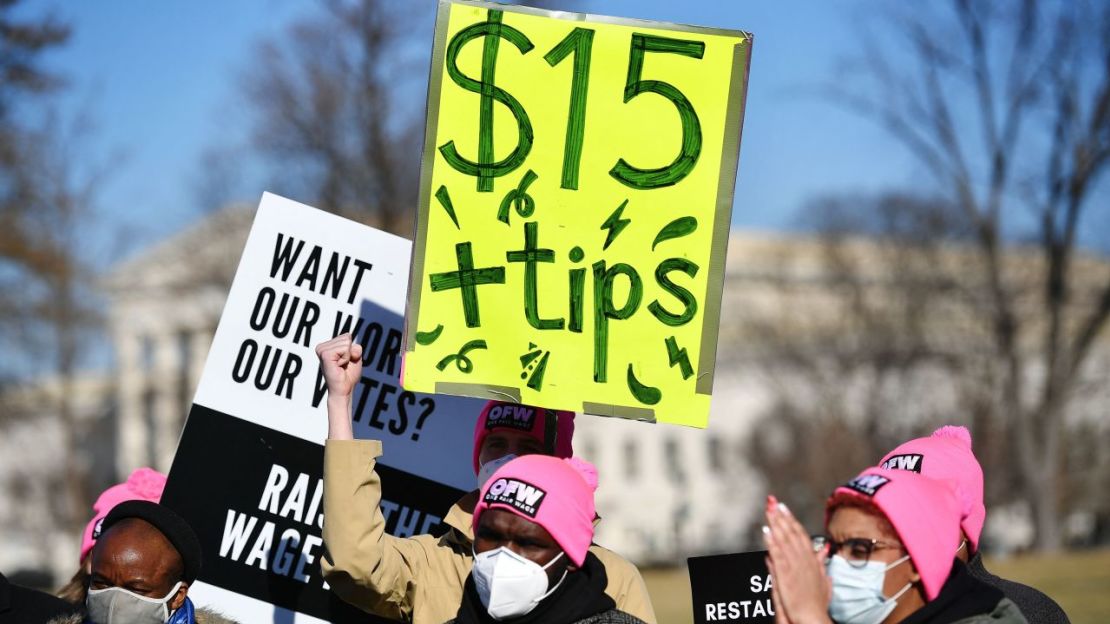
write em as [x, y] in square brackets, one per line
[248, 470]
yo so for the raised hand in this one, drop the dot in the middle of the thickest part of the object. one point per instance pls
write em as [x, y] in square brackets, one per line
[801, 590]
[341, 365]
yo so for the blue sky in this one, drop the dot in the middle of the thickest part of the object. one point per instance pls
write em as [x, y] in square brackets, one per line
[160, 83]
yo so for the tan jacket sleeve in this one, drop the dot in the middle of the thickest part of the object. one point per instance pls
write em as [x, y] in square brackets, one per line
[626, 586]
[363, 564]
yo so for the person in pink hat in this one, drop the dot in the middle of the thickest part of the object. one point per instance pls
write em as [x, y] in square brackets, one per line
[947, 455]
[507, 430]
[421, 578]
[533, 526]
[142, 484]
[888, 556]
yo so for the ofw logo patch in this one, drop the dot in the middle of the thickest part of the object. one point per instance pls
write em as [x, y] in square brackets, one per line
[524, 497]
[867, 484]
[511, 416]
[909, 461]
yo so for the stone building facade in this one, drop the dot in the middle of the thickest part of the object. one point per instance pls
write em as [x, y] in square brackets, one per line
[165, 303]
[665, 492]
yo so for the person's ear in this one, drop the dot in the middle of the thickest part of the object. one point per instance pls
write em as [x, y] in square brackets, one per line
[571, 568]
[963, 553]
[915, 577]
[178, 599]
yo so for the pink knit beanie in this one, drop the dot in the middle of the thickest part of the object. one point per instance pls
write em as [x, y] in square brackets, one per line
[557, 494]
[143, 484]
[552, 428]
[947, 455]
[924, 513]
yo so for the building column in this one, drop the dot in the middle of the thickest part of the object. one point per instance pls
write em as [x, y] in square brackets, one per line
[165, 379]
[200, 342]
[131, 431]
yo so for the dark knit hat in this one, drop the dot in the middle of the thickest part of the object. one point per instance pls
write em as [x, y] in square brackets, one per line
[173, 526]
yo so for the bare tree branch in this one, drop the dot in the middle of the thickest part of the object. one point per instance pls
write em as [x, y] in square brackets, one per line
[1006, 106]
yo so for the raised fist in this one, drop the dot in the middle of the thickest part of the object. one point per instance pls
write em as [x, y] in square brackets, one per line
[341, 363]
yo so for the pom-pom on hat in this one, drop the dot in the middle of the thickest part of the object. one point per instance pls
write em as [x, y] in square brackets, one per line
[173, 526]
[143, 484]
[947, 455]
[557, 494]
[923, 512]
[552, 428]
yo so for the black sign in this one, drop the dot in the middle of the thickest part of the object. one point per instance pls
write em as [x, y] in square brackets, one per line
[731, 588]
[255, 498]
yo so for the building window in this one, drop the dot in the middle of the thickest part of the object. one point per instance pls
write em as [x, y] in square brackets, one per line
[150, 424]
[672, 457]
[589, 451]
[631, 459]
[715, 451]
[185, 351]
[146, 353]
[184, 372]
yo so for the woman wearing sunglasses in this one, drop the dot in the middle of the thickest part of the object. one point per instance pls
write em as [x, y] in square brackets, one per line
[888, 556]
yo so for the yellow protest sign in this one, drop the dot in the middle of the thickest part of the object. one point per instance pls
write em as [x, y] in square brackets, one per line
[575, 202]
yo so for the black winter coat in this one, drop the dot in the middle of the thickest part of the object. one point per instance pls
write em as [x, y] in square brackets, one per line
[19, 605]
[1035, 606]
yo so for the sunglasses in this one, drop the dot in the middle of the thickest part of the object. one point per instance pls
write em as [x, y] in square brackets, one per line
[855, 550]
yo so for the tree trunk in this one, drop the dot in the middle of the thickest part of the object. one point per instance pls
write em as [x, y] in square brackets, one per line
[66, 344]
[1049, 482]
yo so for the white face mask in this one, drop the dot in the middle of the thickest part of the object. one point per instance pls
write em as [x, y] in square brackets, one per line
[116, 605]
[857, 593]
[490, 467]
[510, 585]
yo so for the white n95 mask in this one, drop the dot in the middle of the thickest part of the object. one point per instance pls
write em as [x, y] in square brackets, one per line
[857, 593]
[490, 467]
[116, 605]
[510, 585]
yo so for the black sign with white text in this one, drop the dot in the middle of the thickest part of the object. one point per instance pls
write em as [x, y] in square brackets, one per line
[731, 588]
[255, 498]
[248, 471]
